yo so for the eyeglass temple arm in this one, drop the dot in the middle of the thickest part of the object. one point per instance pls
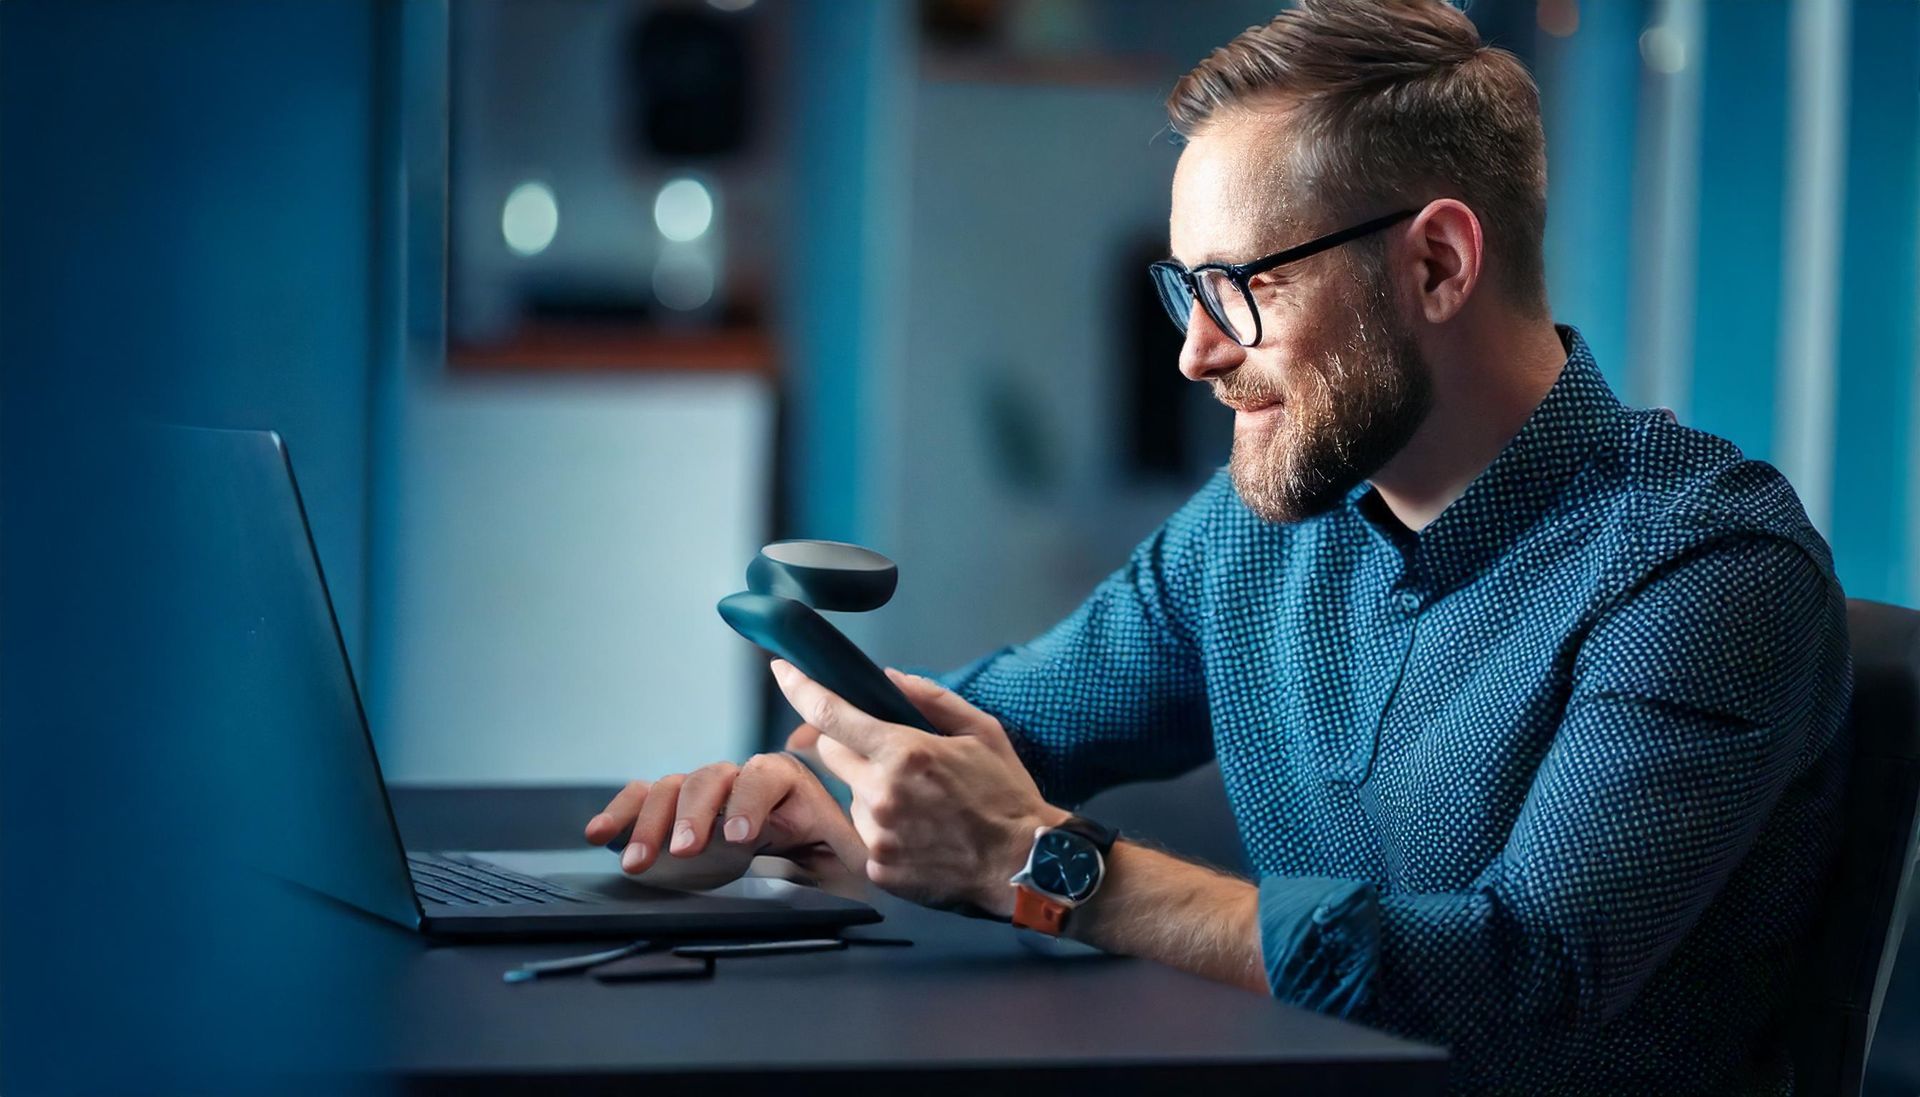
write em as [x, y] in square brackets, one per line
[1321, 243]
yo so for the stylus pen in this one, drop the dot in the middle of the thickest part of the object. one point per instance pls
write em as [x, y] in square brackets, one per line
[569, 964]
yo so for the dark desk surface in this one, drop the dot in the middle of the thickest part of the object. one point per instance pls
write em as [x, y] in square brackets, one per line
[967, 1008]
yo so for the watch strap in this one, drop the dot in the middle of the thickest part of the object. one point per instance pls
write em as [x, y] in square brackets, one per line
[1103, 837]
[1034, 910]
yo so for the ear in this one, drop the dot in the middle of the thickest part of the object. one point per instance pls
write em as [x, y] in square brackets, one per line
[1446, 251]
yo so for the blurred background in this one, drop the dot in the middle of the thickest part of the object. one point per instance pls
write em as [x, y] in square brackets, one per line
[564, 307]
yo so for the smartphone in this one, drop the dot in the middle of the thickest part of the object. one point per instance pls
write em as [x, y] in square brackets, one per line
[650, 966]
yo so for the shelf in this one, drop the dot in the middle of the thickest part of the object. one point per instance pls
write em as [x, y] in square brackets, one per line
[594, 350]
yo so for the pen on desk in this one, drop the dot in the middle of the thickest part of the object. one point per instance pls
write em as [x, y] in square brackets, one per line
[569, 964]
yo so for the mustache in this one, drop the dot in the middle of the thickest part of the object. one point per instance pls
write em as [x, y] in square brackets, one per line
[1246, 389]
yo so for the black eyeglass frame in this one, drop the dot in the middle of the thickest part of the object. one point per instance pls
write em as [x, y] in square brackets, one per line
[1239, 274]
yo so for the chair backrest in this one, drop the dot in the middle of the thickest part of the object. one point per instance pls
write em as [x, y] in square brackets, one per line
[1841, 976]
[1188, 815]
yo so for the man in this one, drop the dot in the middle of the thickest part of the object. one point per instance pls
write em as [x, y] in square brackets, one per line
[1527, 704]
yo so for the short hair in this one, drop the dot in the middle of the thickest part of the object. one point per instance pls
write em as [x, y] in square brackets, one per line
[1393, 101]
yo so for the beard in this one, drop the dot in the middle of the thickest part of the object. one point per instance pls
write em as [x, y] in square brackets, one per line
[1353, 410]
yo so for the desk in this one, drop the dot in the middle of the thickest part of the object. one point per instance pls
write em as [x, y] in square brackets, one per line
[966, 1009]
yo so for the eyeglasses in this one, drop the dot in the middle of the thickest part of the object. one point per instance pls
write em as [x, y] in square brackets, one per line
[1222, 287]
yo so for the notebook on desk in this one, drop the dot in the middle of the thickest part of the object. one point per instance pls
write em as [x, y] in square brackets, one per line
[291, 759]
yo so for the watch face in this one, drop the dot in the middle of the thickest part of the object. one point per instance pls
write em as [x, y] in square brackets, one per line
[1065, 864]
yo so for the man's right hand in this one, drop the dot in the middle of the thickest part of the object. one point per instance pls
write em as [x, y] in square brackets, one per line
[773, 803]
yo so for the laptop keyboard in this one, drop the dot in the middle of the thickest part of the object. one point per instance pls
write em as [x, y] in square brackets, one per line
[451, 881]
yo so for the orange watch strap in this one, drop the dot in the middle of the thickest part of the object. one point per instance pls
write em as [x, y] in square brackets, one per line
[1032, 910]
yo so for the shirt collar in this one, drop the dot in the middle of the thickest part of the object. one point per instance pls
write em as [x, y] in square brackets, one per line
[1512, 493]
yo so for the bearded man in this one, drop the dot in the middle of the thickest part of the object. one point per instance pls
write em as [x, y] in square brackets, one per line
[1528, 704]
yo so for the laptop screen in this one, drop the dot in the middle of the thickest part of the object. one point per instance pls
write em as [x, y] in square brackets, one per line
[282, 749]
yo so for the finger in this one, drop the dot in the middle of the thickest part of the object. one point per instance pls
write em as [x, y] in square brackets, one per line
[831, 715]
[701, 798]
[945, 709]
[618, 815]
[794, 798]
[803, 738]
[651, 827]
[844, 763]
[836, 829]
[866, 829]
[764, 782]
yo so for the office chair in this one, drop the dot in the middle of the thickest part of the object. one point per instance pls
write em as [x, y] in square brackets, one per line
[1188, 815]
[1843, 970]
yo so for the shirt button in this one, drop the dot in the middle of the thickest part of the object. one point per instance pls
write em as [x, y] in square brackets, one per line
[1409, 601]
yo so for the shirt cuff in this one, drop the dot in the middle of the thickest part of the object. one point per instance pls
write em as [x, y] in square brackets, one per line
[1320, 938]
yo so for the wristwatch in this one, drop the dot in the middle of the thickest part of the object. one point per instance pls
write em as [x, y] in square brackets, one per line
[1063, 871]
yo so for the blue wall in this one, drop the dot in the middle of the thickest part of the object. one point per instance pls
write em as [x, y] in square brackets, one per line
[1736, 341]
[188, 227]
[1589, 101]
[1874, 450]
[1600, 99]
[851, 60]
[187, 222]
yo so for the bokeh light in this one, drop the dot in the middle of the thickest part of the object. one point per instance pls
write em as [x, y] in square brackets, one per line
[683, 210]
[530, 219]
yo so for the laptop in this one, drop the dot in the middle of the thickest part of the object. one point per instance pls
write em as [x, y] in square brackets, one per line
[262, 672]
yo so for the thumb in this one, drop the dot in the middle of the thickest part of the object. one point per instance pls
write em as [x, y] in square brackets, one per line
[804, 740]
[841, 837]
[948, 711]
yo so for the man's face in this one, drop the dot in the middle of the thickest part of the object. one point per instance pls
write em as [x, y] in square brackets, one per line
[1337, 384]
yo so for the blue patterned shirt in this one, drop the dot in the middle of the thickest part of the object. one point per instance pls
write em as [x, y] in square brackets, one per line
[1551, 782]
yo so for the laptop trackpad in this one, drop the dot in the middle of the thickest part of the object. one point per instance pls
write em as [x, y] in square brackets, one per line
[597, 871]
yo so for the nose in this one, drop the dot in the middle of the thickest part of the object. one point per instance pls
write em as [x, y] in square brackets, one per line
[1208, 351]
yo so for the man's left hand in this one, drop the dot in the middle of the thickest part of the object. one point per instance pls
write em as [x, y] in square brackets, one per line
[946, 818]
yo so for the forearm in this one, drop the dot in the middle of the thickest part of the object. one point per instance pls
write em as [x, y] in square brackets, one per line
[1158, 907]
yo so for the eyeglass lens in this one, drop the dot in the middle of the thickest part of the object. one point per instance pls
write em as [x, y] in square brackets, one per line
[1173, 294]
[1223, 300]
[1227, 304]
